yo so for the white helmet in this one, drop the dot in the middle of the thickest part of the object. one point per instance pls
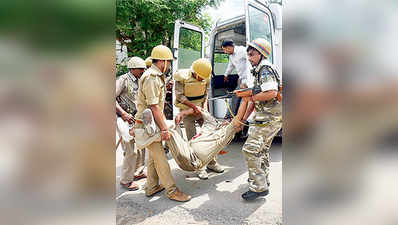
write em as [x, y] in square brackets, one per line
[136, 63]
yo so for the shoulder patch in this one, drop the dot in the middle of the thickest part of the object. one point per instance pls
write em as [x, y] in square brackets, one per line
[182, 74]
[265, 71]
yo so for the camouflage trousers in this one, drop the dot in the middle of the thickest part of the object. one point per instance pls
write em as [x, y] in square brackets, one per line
[256, 152]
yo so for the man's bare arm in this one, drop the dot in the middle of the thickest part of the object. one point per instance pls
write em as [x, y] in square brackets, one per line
[192, 106]
[180, 116]
[265, 96]
[249, 110]
[160, 121]
[159, 117]
[242, 109]
[262, 96]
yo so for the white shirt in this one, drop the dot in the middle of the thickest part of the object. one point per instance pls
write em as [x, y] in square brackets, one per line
[239, 61]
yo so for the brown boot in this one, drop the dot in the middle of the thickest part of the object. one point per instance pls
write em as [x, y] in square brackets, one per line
[157, 190]
[178, 196]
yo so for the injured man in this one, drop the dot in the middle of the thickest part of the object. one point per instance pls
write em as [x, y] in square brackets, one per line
[198, 152]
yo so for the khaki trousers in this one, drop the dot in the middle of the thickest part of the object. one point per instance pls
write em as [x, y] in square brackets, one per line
[190, 129]
[133, 161]
[158, 169]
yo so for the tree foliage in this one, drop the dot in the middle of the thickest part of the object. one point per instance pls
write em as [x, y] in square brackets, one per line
[148, 23]
[190, 40]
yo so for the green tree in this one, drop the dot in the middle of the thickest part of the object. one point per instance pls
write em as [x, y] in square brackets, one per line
[147, 23]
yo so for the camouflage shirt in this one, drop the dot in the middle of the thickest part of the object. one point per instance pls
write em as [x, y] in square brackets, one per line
[268, 79]
[126, 92]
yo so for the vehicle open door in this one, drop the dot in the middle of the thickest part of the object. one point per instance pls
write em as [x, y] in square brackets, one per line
[188, 45]
[234, 29]
[260, 24]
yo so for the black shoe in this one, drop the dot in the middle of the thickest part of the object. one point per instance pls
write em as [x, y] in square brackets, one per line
[251, 195]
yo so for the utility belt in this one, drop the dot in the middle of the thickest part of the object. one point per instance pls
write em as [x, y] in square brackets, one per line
[195, 97]
[266, 121]
[260, 123]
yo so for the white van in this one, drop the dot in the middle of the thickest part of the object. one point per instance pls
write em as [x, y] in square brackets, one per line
[261, 19]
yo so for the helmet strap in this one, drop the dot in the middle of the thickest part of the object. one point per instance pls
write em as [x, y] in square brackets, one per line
[164, 66]
[261, 59]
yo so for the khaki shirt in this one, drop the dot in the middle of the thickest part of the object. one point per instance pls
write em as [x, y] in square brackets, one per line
[179, 88]
[126, 89]
[270, 110]
[151, 91]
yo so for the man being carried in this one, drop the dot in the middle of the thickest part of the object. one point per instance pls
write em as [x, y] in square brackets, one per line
[199, 151]
[191, 90]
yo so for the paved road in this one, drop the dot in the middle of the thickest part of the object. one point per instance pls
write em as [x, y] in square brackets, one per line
[215, 201]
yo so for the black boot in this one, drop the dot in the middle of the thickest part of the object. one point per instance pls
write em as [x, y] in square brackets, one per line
[251, 195]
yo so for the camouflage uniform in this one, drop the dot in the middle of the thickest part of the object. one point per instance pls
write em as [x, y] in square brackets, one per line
[134, 160]
[268, 122]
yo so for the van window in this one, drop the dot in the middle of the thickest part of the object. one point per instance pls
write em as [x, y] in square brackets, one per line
[238, 34]
[221, 61]
[260, 26]
[190, 47]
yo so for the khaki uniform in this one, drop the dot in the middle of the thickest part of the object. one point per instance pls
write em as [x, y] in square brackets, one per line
[189, 88]
[134, 160]
[152, 91]
[268, 123]
[197, 153]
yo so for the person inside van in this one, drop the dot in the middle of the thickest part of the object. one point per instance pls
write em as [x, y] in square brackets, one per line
[238, 61]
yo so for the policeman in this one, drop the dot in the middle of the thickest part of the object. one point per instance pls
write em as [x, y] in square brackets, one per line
[126, 89]
[151, 95]
[148, 62]
[268, 118]
[191, 89]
